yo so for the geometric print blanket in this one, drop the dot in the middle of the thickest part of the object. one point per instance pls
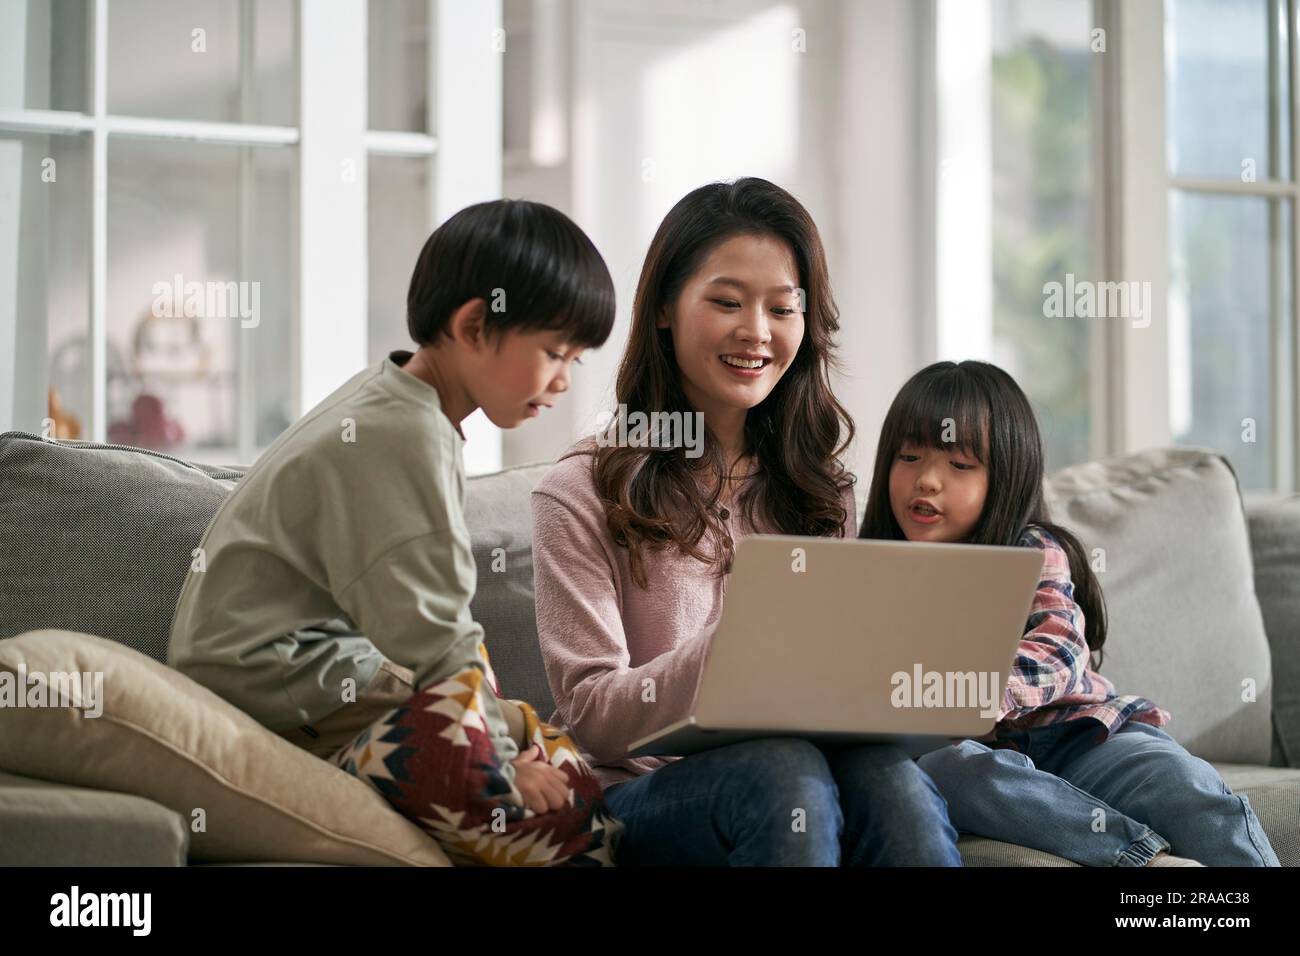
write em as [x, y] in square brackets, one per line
[433, 760]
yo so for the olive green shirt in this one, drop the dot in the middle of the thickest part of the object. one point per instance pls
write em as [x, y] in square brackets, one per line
[344, 544]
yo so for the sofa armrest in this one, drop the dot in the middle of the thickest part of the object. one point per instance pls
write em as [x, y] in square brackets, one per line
[1275, 549]
[53, 824]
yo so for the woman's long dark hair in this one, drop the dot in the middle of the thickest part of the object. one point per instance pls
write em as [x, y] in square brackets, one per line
[652, 495]
[992, 421]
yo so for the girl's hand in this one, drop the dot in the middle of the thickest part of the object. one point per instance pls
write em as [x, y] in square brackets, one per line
[543, 787]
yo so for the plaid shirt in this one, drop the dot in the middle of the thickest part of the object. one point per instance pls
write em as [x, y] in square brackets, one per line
[1050, 680]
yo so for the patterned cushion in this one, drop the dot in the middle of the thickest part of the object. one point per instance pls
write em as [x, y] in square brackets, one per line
[433, 760]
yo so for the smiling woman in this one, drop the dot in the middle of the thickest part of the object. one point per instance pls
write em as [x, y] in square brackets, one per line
[733, 339]
[733, 320]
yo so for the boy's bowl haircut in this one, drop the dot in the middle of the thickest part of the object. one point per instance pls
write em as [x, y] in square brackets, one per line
[529, 262]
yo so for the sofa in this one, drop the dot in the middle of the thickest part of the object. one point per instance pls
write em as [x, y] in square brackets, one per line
[1204, 598]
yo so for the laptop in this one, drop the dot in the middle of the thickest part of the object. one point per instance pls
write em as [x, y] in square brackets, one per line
[856, 641]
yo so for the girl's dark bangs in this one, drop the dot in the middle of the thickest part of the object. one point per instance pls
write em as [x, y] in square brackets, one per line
[945, 411]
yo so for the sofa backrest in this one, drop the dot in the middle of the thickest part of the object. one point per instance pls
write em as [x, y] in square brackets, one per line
[1185, 626]
[98, 539]
[499, 515]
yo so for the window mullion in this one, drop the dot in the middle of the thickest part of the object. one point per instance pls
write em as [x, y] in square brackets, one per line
[245, 422]
[1105, 385]
[1142, 184]
[1276, 264]
[1293, 105]
[99, 227]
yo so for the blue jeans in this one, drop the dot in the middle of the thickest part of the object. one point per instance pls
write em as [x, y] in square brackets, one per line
[782, 801]
[1070, 790]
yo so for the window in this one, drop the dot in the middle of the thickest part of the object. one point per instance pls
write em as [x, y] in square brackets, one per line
[1044, 197]
[150, 147]
[422, 80]
[1017, 202]
[198, 189]
[1230, 115]
[1144, 145]
[400, 164]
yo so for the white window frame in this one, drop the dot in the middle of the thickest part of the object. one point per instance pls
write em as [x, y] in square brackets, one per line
[1289, 189]
[1130, 401]
[1134, 375]
[956, 272]
[330, 310]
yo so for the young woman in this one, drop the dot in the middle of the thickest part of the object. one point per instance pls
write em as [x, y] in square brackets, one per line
[733, 319]
[1074, 769]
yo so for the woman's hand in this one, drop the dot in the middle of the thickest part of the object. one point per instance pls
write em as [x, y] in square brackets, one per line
[543, 787]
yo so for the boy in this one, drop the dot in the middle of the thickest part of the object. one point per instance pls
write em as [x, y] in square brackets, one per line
[336, 579]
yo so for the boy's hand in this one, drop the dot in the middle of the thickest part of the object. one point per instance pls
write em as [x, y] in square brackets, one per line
[543, 787]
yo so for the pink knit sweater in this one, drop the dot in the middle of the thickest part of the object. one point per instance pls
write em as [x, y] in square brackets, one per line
[622, 661]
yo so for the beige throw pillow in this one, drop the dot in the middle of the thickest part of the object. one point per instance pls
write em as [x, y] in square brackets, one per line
[247, 794]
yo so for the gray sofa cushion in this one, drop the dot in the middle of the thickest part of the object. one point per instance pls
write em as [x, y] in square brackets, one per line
[981, 851]
[1178, 575]
[52, 824]
[1275, 542]
[499, 515]
[1185, 626]
[1274, 795]
[131, 518]
[98, 537]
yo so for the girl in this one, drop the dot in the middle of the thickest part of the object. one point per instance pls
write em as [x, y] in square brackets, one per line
[960, 460]
[733, 320]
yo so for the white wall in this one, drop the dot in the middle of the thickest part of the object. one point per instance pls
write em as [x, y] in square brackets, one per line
[876, 249]
[466, 116]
